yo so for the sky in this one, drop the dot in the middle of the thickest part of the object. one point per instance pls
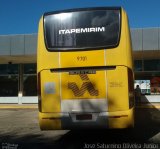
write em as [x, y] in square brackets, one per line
[22, 16]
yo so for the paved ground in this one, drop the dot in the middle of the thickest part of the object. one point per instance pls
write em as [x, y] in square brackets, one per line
[19, 129]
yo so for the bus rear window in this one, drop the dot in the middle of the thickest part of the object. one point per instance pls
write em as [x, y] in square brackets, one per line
[85, 29]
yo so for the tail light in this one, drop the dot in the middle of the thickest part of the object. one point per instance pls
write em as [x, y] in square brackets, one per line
[131, 88]
[39, 91]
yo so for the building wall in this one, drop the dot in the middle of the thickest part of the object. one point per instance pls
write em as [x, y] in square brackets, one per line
[18, 48]
[145, 39]
[18, 44]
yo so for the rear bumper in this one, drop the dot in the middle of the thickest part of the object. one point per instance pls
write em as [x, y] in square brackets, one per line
[104, 120]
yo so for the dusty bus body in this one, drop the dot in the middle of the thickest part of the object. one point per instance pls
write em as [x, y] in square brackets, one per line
[84, 66]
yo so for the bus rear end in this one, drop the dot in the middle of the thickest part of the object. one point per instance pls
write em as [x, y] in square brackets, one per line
[85, 76]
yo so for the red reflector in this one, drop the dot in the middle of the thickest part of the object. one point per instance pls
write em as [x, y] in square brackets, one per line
[118, 116]
[84, 117]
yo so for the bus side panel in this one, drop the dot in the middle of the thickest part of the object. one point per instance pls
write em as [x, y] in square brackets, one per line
[50, 91]
[120, 116]
[49, 117]
[117, 89]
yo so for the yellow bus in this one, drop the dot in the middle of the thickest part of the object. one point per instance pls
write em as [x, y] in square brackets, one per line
[84, 69]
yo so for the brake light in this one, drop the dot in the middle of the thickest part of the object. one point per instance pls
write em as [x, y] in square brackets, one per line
[39, 91]
[131, 88]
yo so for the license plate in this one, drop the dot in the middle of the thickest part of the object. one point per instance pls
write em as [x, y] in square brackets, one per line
[84, 117]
